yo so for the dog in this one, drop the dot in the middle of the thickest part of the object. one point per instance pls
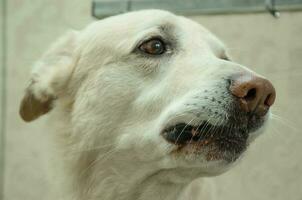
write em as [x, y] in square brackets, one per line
[142, 104]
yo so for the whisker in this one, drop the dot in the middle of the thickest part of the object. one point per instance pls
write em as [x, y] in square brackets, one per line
[285, 122]
[203, 128]
[184, 129]
[276, 131]
[199, 131]
[176, 116]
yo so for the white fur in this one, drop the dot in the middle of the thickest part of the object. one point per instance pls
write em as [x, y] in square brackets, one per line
[111, 106]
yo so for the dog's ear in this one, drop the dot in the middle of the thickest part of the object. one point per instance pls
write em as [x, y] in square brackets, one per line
[49, 77]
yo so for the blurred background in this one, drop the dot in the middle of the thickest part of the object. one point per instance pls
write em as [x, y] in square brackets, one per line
[272, 167]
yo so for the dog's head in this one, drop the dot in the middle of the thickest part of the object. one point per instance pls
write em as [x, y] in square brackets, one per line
[159, 88]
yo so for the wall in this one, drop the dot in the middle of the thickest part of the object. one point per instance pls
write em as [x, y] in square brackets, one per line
[32, 26]
[271, 168]
[2, 92]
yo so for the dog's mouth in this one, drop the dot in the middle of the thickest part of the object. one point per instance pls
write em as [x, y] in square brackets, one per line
[220, 142]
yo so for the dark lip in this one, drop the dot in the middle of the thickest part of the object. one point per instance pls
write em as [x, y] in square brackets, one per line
[183, 133]
[218, 142]
[220, 139]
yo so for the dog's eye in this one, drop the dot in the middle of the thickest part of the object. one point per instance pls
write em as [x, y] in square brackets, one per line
[153, 47]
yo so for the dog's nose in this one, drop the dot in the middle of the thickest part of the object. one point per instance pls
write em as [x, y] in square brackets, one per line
[255, 94]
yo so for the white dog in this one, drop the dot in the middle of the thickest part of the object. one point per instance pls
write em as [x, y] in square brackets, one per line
[144, 103]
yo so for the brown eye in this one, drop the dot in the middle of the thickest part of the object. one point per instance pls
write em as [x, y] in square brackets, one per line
[153, 47]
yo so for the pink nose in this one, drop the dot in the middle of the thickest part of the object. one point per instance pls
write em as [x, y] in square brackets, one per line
[255, 94]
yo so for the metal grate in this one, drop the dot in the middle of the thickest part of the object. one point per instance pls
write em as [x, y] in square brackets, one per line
[104, 8]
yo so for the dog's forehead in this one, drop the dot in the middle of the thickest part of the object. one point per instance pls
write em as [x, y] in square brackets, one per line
[133, 21]
[131, 26]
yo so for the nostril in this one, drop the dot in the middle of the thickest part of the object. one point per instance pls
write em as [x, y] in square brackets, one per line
[266, 102]
[251, 94]
[269, 100]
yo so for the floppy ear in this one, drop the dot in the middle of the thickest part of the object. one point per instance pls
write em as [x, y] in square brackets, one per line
[49, 77]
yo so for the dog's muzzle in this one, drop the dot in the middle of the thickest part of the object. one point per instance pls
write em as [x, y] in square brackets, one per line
[251, 97]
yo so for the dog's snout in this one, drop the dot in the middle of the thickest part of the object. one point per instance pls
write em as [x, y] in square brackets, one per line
[255, 94]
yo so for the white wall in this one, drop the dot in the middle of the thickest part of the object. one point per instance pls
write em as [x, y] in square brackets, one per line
[2, 86]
